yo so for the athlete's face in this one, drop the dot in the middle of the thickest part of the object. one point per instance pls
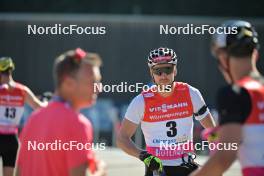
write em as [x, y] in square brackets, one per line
[86, 77]
[163, 74]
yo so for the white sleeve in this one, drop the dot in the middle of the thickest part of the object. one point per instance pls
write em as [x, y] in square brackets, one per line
[135, 109]
[198, 102]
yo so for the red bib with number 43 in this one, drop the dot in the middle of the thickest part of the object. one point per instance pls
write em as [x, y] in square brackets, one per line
[11, 107]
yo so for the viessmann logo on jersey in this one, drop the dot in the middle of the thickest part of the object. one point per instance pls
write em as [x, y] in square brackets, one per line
[166, 107]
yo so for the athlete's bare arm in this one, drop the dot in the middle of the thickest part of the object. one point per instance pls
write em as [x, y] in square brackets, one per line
[208, 121]
[32, 100]
[124, 141]
[101, 169]
[222, 159]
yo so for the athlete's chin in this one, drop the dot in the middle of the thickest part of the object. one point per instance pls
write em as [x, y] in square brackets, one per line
[87, 103]
[164, 83]
[92, 101]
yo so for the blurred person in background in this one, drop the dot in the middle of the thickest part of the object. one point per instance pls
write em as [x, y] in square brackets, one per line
[13, 97]
[60, 123]
[166, 114]
[240, 104]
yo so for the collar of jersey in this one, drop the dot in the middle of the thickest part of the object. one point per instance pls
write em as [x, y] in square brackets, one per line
[57, 98]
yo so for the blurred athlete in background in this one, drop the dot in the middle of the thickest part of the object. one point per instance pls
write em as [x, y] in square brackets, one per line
[13, 97]
[75, 73]
[240, 104]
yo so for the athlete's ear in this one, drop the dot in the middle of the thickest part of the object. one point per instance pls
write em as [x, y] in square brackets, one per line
[68, 82]
[151, 74]
[175, 70]
[150, 71]
[222, 57]
[255, 55]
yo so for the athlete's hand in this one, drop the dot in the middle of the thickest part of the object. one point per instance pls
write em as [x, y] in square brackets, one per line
[210, 134]
[101, 168]
[152, 162]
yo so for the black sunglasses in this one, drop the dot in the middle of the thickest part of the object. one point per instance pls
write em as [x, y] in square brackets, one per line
[159, 71]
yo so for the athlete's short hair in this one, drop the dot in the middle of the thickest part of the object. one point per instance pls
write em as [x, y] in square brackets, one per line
[68, 63]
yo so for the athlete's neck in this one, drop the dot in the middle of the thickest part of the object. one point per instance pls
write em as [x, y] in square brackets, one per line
[165, 92]
[242, 67]
[68, 98]
[7, 79]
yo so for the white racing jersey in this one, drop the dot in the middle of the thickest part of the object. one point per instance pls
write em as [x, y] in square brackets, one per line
[167, 123]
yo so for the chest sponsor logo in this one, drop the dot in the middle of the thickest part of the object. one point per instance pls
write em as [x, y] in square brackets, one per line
[166, 107]
[148, 95]
[179, 139]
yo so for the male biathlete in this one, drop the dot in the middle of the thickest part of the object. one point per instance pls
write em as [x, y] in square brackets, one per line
[240, 104]
[166, 115]
[13, 96]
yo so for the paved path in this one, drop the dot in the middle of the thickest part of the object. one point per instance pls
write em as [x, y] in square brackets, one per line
[120, 164]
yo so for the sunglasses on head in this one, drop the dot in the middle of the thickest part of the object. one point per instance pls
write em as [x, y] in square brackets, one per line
[159, 71]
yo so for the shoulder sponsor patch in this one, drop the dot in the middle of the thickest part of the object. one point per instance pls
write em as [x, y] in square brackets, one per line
[147, 95]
